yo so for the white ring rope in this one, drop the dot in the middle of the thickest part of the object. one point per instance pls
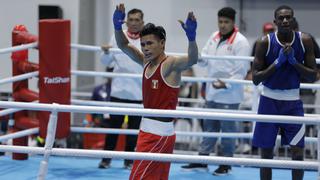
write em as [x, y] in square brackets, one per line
[140, 106]
[165, 157]
[115, 50]
[19, 134]
[161, 113]
[51, 134]
[19, 77]
[86, 47]
[184, 78]
[235, 135]
[9, 111]
[192, 100]
[18, 48]
[189, 100]
[182, 100]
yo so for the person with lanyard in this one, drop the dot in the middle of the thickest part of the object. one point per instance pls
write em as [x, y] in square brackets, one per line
[228, 41]
[124, 90]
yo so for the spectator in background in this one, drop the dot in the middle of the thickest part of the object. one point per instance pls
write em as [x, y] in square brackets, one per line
[228, 41]
[267, 28]
[124, 90]
[102, 93]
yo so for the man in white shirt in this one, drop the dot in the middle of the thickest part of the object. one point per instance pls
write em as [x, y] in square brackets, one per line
[228, 41]
[124, 90]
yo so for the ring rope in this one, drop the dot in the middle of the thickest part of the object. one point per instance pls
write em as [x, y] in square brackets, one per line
[184, 78]
[165, 157]
[51, 133]
[18, 48]
[115, 50]
[161, 113]
[187, 100]
[19, 77]
[178, 133]
[140, 106]
[19, 134]
[9, 111]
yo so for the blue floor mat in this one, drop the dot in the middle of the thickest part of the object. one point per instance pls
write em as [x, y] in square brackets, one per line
[67, 168]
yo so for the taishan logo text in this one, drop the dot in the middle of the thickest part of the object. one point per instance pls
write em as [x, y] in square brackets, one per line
[56, 80]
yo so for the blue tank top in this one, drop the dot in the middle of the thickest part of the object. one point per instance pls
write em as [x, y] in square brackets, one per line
[286, 77]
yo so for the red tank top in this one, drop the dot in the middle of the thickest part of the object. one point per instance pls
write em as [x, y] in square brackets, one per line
[157, 94]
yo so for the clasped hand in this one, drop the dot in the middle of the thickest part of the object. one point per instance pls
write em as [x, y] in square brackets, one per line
[286, 53]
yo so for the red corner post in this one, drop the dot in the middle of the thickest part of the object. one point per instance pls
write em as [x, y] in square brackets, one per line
[54, 72]
[20, 65]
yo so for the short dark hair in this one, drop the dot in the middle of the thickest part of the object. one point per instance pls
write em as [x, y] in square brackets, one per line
[227, 12]
[134, 11]
[150, 28]
[282, 7]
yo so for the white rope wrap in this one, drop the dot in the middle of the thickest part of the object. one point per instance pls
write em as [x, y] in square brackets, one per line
[19, 134]
[18, 48]
[178, 133]
[19, 77]
[8, 111]
[165, 157]
[191, 100]
[11, 110]
[161, 113]
[140, 106]
[51, 133]
[115, 50]
[186, 100]
[184, 78]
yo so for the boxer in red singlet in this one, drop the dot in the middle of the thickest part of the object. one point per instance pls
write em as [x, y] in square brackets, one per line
[161, 82]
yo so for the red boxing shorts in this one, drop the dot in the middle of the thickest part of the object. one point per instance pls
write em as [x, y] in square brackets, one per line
[162, 141]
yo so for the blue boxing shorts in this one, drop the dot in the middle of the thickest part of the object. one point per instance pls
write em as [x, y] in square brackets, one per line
[265, 134]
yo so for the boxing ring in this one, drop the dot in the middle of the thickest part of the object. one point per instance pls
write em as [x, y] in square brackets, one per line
[52, 129]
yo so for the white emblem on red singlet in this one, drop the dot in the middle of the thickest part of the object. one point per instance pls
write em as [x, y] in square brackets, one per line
[154, 84]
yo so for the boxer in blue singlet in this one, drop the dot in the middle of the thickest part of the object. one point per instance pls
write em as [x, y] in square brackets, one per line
[280, 59]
